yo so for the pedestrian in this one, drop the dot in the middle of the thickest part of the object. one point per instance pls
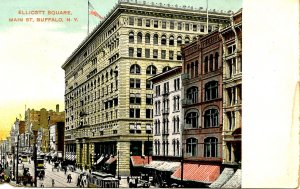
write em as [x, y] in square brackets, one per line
[78, 181]
[128, 179]
[70, 178]
[82, 183]
[53, 182]
[42, 185]
[29, 161]
[65, 170]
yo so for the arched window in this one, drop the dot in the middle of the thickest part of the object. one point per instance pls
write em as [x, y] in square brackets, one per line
[151, 70]
[206, 64]
[191, 146]
[211, 147]
[166, 68]
[192, 94]
[171, 40]
[187, 40]
[135, 69]
[211, 90]
[211, 118]
[179, 40]
[155, 39]
[178, 152]
[147, 38]
[131, 37]
[106, 76]
[211, 63]
[163, 40]
[174, 147]
[191, 120]
[216, 61]
[139, 37]
[111, 73]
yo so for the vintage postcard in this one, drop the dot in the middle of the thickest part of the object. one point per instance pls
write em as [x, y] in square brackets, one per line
[149, 94]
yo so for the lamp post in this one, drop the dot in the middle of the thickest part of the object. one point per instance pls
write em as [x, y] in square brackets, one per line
[148, 149]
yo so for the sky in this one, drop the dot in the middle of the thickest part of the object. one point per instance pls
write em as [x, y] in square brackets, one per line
[32, 53]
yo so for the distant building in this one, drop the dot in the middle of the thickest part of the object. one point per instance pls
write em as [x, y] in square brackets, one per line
[57, 133]
[40, 120]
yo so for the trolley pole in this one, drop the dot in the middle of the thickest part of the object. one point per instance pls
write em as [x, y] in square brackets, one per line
[17, 171]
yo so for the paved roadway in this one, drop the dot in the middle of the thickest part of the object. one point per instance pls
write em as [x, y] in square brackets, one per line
[59, 177]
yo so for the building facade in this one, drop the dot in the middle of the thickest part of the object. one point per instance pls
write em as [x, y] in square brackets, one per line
[167, 105]
[232, 90]
[106, 91]
[38, 121]
[202, 110]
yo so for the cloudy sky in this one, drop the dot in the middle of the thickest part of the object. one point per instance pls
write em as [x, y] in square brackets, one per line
[32, 53]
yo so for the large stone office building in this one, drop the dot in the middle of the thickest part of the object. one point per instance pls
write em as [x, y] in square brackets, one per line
[107, 98]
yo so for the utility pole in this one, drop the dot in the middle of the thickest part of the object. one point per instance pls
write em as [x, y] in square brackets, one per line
[148, 150]
[17, 174]
[35, 164]
[182, 159]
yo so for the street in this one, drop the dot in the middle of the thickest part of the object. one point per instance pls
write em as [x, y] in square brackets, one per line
[60, 178]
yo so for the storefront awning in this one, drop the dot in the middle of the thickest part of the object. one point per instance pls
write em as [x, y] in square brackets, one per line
[99, 160]
[198, 173]
[140, 161]
[223, 178]
[111, 160]
[235, 181]
[154, 164]
[168, 166]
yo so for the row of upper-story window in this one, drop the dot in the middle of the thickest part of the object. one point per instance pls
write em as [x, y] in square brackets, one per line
[166, 87]
[164, 146]
[155, 53]
[155, 39]
[210, 146]
[210, 64]
[171, 24]
[210, 118]
[211, 92]
[164, 106]
[165, 126]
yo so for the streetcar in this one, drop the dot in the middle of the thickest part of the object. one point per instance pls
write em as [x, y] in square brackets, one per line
[102, 180]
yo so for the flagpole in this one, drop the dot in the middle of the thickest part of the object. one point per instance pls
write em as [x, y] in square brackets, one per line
[207, 15]
[88, 26]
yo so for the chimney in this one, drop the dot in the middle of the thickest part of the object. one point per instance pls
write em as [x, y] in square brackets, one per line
[57, 108]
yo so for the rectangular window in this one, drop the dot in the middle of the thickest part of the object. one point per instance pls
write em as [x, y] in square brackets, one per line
[157, 90]
[201, 28]
[179, 26]
[147, 53]
[135, 83]
[178, 55]
[155, 23]
[149, 85]
[194, 27]
[163, 54]
[187, 27]
[135, 98]
[131, 51]
[149, 113]
[147, 23]
[166, 87]
[155, 53]
[172, 25]
[209, 29]
[139, 52]
[131, 21]
[140, 22]
[149, 99]
[164, 25]
[171, 55]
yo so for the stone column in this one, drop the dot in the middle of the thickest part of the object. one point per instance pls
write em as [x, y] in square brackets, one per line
[124, 162]
[77, 152]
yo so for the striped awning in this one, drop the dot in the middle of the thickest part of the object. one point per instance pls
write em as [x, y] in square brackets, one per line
[111, 160]
[223, 178]
[198, 173]
[235, 181]
[99, 160]
[168, 166]
[140, 161]
[154, 164]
